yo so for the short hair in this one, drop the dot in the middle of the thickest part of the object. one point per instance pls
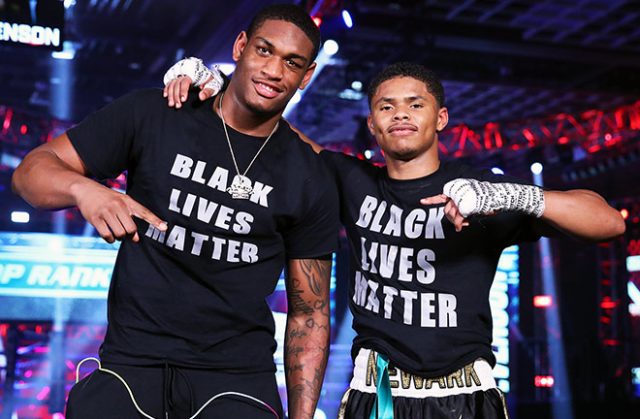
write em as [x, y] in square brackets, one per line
[406, 69]
[292, 14]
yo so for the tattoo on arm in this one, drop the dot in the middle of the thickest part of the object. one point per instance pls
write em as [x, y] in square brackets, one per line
[307, 335]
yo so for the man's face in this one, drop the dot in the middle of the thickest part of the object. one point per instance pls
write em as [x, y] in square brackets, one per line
[272, 65]
[405, 118]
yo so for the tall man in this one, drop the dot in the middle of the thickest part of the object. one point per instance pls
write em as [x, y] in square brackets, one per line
[419, 284]
[237, 196]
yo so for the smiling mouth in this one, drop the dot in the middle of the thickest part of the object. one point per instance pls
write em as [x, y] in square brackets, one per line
[266, 90]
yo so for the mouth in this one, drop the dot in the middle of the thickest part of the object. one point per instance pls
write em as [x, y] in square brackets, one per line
[267, 90]
[402, 130]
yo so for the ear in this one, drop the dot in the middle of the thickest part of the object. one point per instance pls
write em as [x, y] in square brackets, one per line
[307, 75]
[370, 125]
[239, 45]
[443, 119]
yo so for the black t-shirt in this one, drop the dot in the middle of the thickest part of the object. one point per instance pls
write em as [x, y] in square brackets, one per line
[195, 295]
[418, 290]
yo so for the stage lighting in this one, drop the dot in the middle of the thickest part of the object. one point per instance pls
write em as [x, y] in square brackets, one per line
[544, 381]
[20, 216]
[625, 213]
[536, 168]
[356, 85]
[297, 97]
[331, 47]
[368, 154]
[497, 171]
[317, 20]
[68, 51]
[542, 301]
[346, 17]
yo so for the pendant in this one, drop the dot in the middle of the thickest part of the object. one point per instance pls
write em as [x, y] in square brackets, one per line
[240, 187]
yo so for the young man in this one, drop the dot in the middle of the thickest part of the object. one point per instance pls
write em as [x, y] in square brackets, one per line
[236, 196]
[419, 284]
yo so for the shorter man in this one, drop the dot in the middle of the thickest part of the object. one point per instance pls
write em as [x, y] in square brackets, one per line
[419, 284]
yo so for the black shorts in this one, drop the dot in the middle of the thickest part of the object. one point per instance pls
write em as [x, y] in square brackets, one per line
[488, 404]
[172, 393]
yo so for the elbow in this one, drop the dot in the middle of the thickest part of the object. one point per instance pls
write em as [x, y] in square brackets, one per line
[620, 225]
[616, 227]
[20, 182]
[17, 181]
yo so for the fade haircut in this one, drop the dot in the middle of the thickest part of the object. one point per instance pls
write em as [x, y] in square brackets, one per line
[292, 14]
[405, 69]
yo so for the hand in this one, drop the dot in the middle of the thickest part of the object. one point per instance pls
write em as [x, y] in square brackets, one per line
[471, 197]
[187, 72]
[111, 212]
[177, 90]
[451, 210]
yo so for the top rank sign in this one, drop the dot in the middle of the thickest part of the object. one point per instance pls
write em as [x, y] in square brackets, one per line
[35, 23]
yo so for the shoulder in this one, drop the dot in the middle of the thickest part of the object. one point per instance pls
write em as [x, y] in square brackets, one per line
[343, 164]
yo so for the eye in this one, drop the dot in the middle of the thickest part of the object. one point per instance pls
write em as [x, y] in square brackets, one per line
[292, 63]
[262, 50]
[417, 105]
[386, 107]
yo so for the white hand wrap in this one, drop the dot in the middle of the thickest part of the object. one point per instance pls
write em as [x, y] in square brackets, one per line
[475, 197]
[195, 69]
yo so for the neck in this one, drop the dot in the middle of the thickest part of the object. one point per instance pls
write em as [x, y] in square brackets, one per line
[415, 168]
[242, 119]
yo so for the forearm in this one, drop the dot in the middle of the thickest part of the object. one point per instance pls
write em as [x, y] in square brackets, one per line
[583, 214]
[306, 353]
[307, 334]
[47, 182]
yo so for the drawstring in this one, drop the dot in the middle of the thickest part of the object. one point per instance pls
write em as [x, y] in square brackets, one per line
[383, 404]
[167, 380]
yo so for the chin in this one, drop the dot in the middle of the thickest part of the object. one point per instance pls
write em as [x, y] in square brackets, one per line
[403, 154]
[270, 107]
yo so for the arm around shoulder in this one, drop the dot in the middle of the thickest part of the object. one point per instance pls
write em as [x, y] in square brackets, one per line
[583, 214]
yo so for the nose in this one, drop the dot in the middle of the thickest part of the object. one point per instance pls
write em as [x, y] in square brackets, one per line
[401, 114]
[273, 68]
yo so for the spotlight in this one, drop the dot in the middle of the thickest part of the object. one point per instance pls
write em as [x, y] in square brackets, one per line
[346, 17]
[542, 301]
[368, 154]
[356, 85]
[544, 381]
[317, 20]
[497, 171]
[625, 213]
[20, 216]
[536, 168]
[330, 47]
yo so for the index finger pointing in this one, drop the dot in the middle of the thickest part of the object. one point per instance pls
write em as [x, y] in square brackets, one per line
[436, 199]
[139, 211]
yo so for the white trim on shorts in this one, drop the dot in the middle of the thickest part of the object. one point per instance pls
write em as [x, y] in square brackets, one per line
[476, 376]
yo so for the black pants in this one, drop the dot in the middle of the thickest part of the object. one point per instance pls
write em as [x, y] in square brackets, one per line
[171, 393]
[479, 405]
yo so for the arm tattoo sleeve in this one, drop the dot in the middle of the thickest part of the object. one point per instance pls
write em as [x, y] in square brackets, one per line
[307, 335]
